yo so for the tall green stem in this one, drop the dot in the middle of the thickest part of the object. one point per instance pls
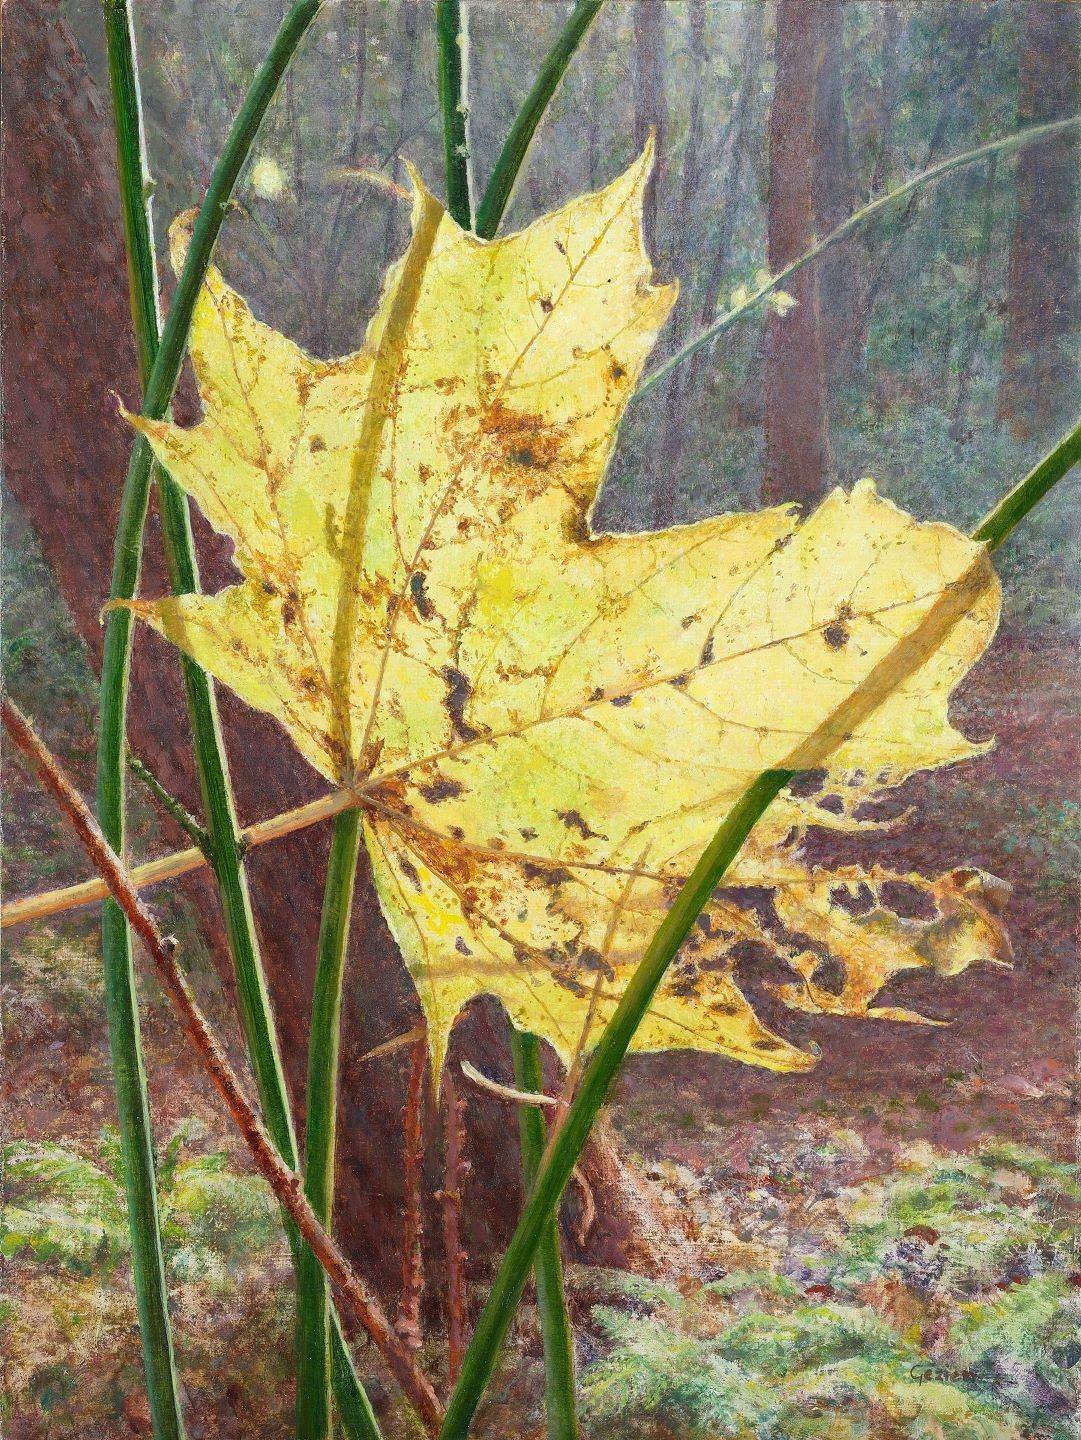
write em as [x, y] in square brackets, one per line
[159, 361]
[452, 41]
[559, 1404]
[500, 187]
[313, 1292]
[997, 524]
[566, 1146]
[122, 1007]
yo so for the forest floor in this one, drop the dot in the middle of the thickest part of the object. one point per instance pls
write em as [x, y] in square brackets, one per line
[767, 1186]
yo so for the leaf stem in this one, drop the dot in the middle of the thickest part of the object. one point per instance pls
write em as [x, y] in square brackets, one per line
[568, 1142]
[452, 41]
[313, 1408]
[170, 804]
[562, 1421]
[1031, 135]
[500, 187]
[160, 358]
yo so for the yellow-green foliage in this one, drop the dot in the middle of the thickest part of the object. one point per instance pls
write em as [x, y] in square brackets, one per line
[951, 1315]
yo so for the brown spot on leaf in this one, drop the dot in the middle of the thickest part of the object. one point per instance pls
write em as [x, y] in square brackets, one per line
[592, 959]
[442, 788]
[459, 693]
[837, 633]
[409, 870]
[575, 528]
[546, 875]
[316, 444]
[419, 592]
[575, 821]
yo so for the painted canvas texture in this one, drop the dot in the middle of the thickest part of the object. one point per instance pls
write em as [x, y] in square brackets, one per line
[540, 713]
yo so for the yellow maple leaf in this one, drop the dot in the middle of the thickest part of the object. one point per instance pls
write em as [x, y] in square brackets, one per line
[543, 724]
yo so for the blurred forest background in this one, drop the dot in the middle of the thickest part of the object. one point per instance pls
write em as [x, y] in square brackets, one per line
[938, 350]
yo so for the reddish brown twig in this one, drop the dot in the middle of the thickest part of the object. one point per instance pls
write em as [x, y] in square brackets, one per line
[287, 1186]
[456, 1168]
[408, 1322]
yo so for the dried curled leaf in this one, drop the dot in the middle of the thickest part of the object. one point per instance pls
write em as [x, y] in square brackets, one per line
[543, 724]
[877, 945]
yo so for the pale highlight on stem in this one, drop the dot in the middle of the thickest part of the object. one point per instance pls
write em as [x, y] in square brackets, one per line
[169, 867]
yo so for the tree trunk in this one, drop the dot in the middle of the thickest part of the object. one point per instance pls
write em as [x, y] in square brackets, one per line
[730, 161]
[67, 323]
[834, 196]
[1043, 309]
[650, 102]
[797, 437]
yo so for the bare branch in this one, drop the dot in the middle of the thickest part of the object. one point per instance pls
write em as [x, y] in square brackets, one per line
[408, 1321]
[286, 1184]
[455, 1170]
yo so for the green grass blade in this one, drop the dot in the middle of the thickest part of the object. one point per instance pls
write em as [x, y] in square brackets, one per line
[452, 44]
[160, 360]
[565, 1148]
[559, 1399]
[500, 187]
[313, 1293]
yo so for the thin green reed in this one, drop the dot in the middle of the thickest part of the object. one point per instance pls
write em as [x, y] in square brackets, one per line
[1017, 140]
[566, 1147]
[559, 1394]
[160, 356]
[512, 157]
[122, 1008]
[453, 49]
[313, 1292]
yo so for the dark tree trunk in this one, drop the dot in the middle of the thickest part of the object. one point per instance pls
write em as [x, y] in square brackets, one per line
[731, 162]
[797, 438]
[1043, 306]
[650, 102]
[66, 325]
[834, 195]
[871, 244]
